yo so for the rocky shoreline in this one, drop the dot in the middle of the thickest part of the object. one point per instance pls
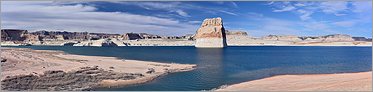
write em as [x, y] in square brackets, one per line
[26, 69]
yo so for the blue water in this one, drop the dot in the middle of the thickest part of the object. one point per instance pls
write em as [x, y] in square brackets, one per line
[231, 65]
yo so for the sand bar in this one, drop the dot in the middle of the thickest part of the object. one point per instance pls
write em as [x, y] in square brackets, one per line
[314, 82]
[27, 69]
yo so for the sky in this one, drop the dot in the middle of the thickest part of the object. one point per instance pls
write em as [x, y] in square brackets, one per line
[257, 18]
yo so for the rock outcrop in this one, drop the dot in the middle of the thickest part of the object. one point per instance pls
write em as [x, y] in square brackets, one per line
[98, 43]
[362, 39]
[236, 33]
[131, 36]
[118, 42]
[282, 38]
[337, 38]
[326, 38]
[13, 35]
[3, 59]
[58, 35]
[211, 34]
[330, 38]
[236, 37]
[31, 37]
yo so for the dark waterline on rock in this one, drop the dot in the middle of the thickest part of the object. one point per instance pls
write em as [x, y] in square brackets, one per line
[231, 65]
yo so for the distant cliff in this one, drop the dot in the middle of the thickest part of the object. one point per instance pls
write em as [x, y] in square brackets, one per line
[98, 43]
[236, 33]
[282, 38]
[210, 34]
[13, 35]
[326, 38]
[24, 35]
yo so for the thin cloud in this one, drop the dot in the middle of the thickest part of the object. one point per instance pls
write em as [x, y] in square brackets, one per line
[227, 12]
[174, 7]
[254, 15]
[305, 15]
[234, 5]
[180, 8]
[306, 9]
[270, 3]
[334, 7]
[84, 18]
[345, 23]
[300, 4]
[182, 13]
[288, 8]
[362, 6]
[195, 22]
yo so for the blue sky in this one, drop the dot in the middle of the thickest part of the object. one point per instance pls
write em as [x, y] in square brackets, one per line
[258, 18]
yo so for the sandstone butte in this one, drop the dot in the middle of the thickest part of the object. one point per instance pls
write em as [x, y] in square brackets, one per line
[211, 34]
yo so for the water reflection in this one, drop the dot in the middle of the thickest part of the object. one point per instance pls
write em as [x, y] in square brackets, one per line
[210, 66]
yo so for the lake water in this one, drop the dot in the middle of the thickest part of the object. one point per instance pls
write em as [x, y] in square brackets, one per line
[232, 65]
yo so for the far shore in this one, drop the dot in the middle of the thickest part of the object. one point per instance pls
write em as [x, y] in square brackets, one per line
[361, 81]
[55, 70]
[231, 41]
[227, 46]
[189, 43]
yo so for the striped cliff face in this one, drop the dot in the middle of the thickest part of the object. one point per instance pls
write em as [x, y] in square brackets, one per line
[211, 34]
[211, 28]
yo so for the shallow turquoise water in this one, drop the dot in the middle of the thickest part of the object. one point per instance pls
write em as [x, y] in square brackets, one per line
[231, 65]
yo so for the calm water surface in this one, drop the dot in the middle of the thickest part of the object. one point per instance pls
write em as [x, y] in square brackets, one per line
[231, 65]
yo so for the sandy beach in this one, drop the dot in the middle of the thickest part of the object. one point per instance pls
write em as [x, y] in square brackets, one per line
[27, 69]
[314, 82]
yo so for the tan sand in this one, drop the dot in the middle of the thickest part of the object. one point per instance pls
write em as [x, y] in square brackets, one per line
[316, 82]
[26, 61]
